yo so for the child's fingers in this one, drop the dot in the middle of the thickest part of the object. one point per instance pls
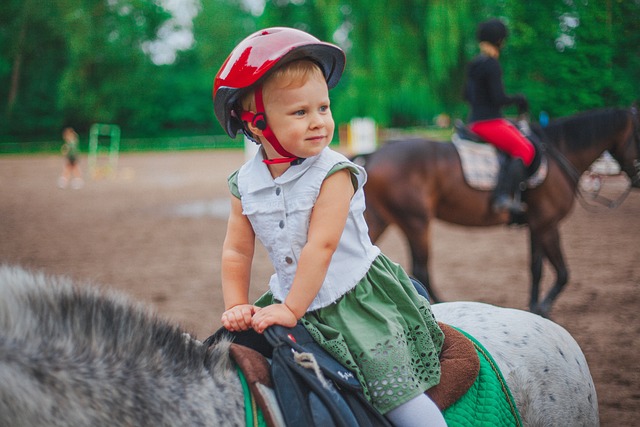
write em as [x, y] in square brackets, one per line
[238, 318]
[276, 314]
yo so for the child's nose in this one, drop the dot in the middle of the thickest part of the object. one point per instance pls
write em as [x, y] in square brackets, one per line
[317, 120]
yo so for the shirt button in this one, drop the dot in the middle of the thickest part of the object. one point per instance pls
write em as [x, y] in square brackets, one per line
[278, 190]
[281, 225]
[288, 260]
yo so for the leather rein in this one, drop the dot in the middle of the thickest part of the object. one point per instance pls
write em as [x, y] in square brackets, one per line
[574, 175]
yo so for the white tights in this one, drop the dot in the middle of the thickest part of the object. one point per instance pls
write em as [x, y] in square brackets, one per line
[420, 411]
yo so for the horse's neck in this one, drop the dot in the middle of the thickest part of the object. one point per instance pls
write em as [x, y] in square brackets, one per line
[600, 132]
[583, 159]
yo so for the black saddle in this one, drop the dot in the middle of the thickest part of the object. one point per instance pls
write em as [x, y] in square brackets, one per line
[311, 387]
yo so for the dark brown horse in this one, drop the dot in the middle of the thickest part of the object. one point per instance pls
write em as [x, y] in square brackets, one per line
[414, 181]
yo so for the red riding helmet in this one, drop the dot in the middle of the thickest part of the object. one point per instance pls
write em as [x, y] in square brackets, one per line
[260, 52]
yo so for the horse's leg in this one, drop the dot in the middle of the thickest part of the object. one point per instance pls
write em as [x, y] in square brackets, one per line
[419, 237]
[553, 252]
[547, 245]
[375, 222]
[536, 270]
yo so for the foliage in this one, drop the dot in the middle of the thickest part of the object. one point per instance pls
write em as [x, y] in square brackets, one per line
[76, 62]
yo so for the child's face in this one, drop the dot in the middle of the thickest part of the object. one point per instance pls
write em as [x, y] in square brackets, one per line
[299, 115]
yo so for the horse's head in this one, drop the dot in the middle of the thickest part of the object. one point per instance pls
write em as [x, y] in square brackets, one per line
[635, 179]
[630, 156]
[624, 140]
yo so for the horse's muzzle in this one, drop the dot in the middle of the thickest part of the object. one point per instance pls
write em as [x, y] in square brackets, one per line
[635, 179]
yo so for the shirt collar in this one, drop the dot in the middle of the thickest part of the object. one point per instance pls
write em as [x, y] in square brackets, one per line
[262, 177]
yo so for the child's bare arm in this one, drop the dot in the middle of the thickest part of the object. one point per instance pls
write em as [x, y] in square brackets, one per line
[237, 255]
[327, 223]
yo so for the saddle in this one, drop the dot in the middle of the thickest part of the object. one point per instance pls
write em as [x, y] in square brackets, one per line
[481, 161]
[295, 382]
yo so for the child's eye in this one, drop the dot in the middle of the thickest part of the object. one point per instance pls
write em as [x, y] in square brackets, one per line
[300, 113]
[324, 108]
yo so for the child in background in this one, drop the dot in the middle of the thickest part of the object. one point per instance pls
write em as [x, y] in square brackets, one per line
[71, 170]
[305, 203]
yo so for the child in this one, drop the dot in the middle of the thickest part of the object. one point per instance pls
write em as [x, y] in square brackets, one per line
[71, 168]
[305, 203]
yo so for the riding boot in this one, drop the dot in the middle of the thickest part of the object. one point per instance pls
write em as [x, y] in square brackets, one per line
[508, 191]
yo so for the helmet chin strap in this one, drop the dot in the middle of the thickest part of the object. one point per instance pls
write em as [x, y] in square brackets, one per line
[259, 120]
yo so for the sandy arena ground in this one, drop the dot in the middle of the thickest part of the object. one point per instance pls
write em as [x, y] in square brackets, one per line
[155, 229]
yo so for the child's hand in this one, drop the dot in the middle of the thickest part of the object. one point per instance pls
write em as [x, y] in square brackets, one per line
[275, 314]
[238, 318]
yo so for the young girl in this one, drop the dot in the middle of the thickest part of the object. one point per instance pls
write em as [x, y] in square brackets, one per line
[484, 90]
[305, 203]
[71, 167]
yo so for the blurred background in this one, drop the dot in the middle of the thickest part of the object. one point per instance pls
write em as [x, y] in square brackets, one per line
[148, 65]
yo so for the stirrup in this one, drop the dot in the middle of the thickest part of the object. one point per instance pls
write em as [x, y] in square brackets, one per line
[505, 203]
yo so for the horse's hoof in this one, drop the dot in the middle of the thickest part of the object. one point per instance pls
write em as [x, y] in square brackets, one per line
[541, 310]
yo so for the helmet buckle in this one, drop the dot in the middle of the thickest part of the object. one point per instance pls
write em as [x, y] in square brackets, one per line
[260, 121]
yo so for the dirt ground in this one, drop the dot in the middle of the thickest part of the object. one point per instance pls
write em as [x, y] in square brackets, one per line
[155, 229]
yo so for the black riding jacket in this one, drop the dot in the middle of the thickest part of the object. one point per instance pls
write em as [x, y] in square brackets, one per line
[484, 89]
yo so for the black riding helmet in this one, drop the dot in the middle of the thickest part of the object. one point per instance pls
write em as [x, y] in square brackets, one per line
[492, 31]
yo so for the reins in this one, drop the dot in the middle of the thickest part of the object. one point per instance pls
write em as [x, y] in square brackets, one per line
[574, 176]
[602, 200]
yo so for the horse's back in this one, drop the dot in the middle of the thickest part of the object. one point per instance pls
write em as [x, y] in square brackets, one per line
[541, 362]
[412, 152]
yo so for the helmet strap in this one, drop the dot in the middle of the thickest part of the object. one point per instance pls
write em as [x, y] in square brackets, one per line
[259, 120]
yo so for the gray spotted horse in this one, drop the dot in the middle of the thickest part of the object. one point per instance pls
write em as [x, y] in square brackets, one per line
[75, 355]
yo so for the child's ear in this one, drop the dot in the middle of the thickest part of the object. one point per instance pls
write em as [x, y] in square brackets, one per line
[254, 129]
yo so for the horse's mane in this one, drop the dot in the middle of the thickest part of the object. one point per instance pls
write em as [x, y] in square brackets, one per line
[584, 129]
[45, 315]
[73, 354]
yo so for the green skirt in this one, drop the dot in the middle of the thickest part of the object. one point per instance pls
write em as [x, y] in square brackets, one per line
[384, 332]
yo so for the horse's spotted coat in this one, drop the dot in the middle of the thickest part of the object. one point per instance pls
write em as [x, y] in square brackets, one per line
[543, 365]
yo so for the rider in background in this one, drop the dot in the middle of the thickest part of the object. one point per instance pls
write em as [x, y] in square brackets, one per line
[484, 90]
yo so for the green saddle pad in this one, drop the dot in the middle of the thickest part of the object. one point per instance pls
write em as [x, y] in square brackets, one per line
[488, 402]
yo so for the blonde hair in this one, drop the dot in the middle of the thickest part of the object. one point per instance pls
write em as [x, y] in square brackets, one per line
[291, 74]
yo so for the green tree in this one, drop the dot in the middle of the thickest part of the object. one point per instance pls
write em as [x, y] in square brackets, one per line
[219, 27]
[405, 61]
[108, 75]
[573, 56]
[75, 62]
[30, 65]
[81, 61]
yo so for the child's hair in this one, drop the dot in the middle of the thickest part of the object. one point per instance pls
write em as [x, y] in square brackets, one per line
[292, 73]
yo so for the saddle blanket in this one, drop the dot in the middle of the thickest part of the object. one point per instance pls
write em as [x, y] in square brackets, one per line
[480, 164]
[487, 402]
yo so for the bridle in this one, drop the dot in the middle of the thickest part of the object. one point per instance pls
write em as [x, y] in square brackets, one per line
[635, 179]
[574, 176]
